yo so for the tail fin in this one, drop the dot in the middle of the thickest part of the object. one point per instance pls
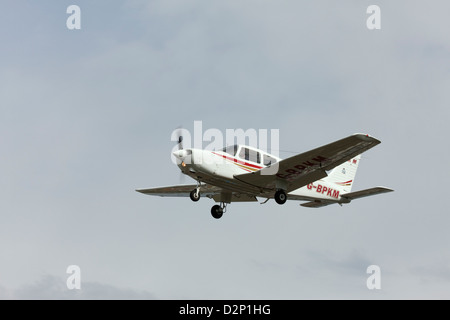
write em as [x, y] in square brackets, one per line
[344, 174]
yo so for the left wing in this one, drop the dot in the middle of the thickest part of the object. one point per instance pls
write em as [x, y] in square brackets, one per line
[180, 190]
[206, 190]
[302, 169]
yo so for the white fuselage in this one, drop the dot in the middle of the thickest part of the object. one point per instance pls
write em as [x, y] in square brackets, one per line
[220, 168]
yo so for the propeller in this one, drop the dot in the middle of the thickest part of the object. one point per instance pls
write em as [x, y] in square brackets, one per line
[181, 177]
[180, 139]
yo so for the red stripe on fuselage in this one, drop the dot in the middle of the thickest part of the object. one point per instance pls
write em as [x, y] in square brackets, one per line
[238, 161]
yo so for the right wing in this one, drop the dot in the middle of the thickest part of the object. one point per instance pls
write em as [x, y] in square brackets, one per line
[298, 171]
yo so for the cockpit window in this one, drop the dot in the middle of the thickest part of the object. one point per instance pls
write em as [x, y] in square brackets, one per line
[231, 150]
[250, 155]
[268, 160]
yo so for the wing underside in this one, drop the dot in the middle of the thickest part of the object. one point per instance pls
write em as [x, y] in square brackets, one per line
[216, 193]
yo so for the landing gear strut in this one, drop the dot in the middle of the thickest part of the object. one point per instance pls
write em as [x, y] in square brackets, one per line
[280, 196]
[218, 211]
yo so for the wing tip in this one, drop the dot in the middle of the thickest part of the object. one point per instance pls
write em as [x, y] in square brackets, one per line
[366, 137]
[386, 189]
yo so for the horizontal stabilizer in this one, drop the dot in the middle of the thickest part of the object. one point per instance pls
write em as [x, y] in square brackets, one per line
[347, 197]
[366, 193]
[316, 204]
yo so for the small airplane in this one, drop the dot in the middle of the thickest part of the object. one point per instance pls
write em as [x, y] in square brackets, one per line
[241, 173]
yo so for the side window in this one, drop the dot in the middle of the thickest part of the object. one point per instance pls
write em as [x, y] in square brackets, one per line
[250, 155]
[244, 154]
[268, 160]
[235, 147]
[231, 150]
[254, 156]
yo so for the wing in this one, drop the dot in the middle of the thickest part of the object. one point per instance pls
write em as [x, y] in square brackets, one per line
[181, 190]
[300, 170]
[206, 190]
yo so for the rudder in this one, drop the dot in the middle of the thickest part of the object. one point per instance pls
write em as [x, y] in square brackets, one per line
[344, 174]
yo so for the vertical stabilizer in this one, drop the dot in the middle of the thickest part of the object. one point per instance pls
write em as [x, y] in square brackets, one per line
[344, 174]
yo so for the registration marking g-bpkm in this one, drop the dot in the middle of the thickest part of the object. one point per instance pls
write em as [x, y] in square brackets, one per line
[324, 190]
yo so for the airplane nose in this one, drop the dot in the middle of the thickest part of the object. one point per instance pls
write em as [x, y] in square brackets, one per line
[180, 154]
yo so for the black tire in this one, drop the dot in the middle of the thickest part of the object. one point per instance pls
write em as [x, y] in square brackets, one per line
[194, 195]
[217, 212]
[280, 197]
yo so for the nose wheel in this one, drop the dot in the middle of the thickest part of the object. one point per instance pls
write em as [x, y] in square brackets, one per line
[195, 195]
[218, 211]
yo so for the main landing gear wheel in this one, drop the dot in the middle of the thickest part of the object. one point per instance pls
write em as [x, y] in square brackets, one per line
[194, 195]
[280, 197]
[217, 212]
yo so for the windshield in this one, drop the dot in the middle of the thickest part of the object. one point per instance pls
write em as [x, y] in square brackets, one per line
[250, 155]
[268, 160]
[231, 150]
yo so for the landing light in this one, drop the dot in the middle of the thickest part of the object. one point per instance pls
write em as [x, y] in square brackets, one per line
[183, 164]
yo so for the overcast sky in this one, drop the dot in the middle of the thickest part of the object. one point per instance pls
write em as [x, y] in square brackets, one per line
[86, 118]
